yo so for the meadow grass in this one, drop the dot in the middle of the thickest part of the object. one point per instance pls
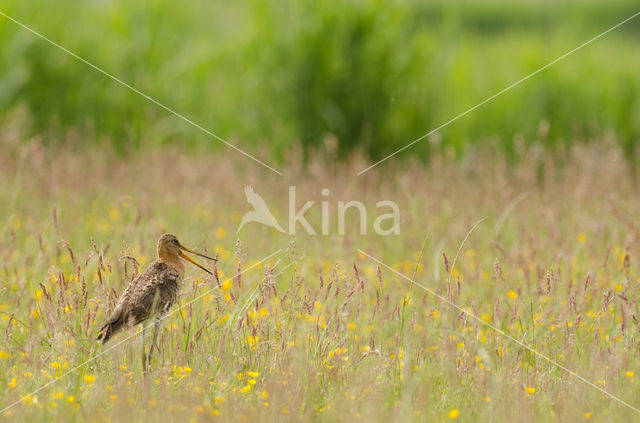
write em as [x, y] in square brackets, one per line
[320, 332]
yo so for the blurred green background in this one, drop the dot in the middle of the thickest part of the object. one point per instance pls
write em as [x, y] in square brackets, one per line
[342, 76]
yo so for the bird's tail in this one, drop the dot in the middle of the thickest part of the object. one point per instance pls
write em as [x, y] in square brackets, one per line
[114, 324]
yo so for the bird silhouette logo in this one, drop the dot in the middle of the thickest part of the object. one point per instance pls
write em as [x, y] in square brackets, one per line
[260, 213]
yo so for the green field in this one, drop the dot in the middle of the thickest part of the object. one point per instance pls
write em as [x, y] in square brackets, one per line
[371, 75]
[302, 335]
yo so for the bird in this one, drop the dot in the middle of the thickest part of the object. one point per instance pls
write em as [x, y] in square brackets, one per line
[152, 293]
[260, 212]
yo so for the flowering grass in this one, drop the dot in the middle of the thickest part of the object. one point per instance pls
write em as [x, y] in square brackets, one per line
[319, 331]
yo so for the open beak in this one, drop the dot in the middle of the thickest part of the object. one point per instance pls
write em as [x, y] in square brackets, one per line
[197, 254]
[189, 259]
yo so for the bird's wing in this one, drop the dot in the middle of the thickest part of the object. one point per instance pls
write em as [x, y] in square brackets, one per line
[153, 285]
[131, 288]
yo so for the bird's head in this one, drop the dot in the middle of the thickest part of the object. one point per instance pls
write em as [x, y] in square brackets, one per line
[170, 249]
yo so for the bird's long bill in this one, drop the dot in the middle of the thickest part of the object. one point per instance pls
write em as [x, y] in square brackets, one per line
[189, 259]
[197, 254]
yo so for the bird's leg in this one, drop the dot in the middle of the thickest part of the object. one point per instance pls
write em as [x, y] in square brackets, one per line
[156, 328]
[144, 353]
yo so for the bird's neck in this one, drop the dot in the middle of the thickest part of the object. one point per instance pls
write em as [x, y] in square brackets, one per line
[173, 262]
